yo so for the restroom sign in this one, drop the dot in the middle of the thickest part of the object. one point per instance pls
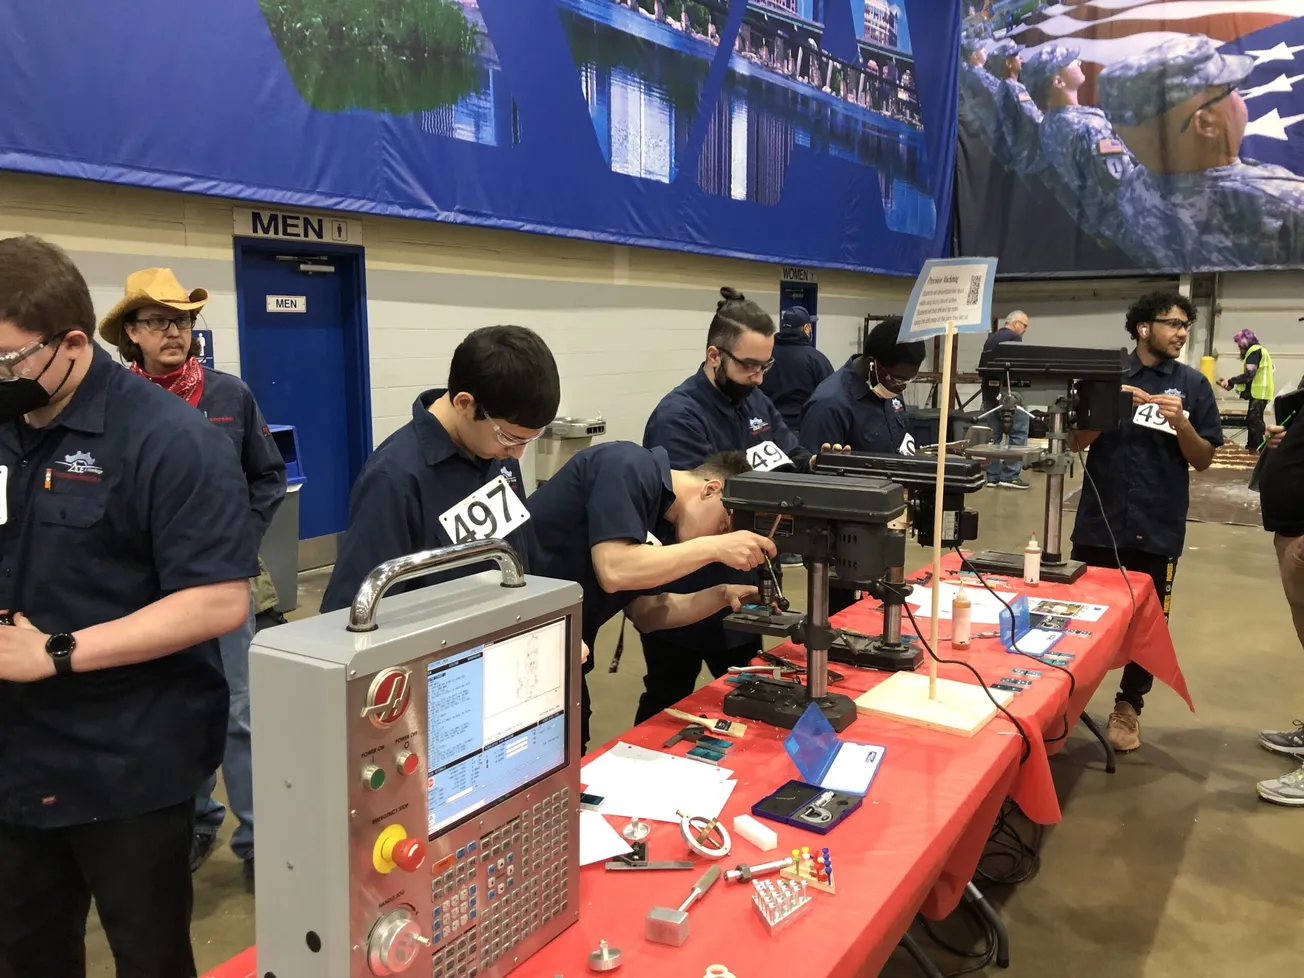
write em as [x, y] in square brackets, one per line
[295, 226]
[287, 303]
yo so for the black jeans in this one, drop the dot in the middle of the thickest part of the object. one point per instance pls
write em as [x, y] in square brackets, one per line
[1254, 425]
[138, 871]
[672, 671]
[1136, 682]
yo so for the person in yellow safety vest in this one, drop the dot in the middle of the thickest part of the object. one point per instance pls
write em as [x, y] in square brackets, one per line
[1254, 384]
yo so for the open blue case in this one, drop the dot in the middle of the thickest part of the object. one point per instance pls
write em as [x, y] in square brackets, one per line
[1029, 640]
[825, 760]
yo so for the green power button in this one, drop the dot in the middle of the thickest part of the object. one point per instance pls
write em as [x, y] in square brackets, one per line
[373, 777]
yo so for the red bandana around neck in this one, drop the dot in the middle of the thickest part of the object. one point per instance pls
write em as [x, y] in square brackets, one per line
[186, 381]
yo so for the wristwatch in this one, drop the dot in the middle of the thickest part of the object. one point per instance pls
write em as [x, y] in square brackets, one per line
[60, 647]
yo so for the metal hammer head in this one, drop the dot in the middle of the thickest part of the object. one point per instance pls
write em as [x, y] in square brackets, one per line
[666, 926]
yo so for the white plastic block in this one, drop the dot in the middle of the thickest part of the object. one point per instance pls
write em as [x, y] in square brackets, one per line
[754, 832]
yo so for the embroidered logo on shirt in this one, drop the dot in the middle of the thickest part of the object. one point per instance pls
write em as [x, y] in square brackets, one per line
[1175, 392]
[896, 404]
[80, 463]
[222, 420]
[758, 424]
[508, 475]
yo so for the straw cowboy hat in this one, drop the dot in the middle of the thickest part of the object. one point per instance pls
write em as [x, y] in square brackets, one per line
[150, 287]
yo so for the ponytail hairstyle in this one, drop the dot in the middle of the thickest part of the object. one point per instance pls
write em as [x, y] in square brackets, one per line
[734, 315]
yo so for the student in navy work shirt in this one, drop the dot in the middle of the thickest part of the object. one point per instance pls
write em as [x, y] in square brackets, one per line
[719, 409]
[859, 408]
[152, 329]
[798, 367]
[503, 389]
[601, 519]
[1137, 487]
[119, 569]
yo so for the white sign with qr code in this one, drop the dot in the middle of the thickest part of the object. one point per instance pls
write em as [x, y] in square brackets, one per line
[957, 291]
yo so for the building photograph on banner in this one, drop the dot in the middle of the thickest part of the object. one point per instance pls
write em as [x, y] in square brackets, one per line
[1117, 136]
[809, 132]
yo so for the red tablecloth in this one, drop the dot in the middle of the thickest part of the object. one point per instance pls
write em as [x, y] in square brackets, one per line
[912, 846]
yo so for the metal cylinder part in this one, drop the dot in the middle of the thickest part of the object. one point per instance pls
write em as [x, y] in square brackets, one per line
[892, 610]
[817, 660]
[605, 958]
[1052, 532]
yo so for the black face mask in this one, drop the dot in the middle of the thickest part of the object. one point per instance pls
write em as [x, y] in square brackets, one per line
[730, 388]
[23, 395]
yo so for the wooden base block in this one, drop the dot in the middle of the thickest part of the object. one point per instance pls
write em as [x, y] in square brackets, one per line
[810, 881]
[960, 708]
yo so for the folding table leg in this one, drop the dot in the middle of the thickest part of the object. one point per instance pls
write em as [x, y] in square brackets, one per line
[915, 951]
[979, 902]
[1090, 724]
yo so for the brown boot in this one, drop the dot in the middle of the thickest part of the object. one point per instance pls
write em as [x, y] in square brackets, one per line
[1124, 730]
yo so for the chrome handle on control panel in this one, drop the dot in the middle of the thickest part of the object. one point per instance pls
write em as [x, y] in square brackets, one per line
[362, 616]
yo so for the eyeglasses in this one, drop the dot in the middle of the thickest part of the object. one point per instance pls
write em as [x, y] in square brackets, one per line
[509, 440]
[1173, 323]
[161, 324]
[9, 362]
[749, 365]
[1207, 105]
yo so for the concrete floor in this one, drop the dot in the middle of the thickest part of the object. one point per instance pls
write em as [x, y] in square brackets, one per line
[1171, 867]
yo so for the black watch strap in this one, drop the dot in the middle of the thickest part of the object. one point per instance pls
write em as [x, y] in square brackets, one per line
[60, 648]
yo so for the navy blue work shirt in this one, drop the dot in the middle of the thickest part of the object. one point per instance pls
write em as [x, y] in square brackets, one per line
[416, 475]
[229, 404]
[1140, 472]
[127, 496]
[845, 411]
[691, 422]
[613, 491]
[798, 369]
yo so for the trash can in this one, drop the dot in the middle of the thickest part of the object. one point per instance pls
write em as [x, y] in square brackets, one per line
[281, 543]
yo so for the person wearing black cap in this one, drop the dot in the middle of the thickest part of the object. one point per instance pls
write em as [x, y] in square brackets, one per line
[720, 408]
[859, 408]
[798, 367]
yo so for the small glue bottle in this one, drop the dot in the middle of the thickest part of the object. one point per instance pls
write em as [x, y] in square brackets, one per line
[961, 618]
[1032, 562]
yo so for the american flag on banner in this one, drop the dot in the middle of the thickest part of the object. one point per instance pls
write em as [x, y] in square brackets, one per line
[1270, 31]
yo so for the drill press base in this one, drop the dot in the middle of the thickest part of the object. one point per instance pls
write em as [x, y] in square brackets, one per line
[1011, 565]
[871, 652]
[782, 704]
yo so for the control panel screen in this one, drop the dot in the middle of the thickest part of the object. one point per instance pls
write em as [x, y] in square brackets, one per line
[497, 721]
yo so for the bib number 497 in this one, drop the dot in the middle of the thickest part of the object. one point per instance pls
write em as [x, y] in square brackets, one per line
[765, 456]
[493, 510]
[1148, 416]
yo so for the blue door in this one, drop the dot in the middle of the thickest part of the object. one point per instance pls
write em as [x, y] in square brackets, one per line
[303, 354]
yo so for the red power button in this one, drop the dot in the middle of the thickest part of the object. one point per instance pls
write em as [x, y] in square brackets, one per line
[408, 762]
[409, 855]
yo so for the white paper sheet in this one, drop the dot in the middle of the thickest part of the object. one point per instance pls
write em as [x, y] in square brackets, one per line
[652, 785]
[853, 768]
[986, 608]
[1074, 609]
[1037, 641]
[598, 840]
[625, 760]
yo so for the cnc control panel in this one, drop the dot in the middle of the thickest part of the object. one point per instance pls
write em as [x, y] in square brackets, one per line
[421, 781]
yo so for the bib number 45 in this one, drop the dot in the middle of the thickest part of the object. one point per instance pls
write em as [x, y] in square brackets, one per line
[493, 510]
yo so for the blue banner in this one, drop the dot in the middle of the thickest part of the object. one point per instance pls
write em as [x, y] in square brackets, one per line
[816, 132]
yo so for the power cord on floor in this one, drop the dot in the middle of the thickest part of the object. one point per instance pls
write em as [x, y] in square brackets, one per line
[1113, 541]
[975, 961]
[1009, 859]
[1027, 744]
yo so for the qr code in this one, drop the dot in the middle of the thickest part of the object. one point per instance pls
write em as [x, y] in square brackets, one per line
[975, 288]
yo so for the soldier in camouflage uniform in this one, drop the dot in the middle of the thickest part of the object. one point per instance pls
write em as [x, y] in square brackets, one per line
[1193, 203]
[1077, 141]
[978, 91]
[1019, 117]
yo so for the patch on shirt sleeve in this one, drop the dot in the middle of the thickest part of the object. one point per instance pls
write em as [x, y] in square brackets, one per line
[1109, 147]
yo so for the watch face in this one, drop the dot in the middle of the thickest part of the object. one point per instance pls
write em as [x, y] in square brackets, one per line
[60, 645]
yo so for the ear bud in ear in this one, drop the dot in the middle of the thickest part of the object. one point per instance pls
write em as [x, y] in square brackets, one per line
[1145, 330]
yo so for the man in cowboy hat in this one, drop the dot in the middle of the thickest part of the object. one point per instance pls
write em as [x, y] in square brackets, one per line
[152, 328]
[118, 572]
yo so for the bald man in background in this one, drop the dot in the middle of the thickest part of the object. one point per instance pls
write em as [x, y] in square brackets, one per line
[1006, 475]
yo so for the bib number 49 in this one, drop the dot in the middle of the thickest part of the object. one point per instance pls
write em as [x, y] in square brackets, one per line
[493, 510]
[765, 456]
[1148, 416]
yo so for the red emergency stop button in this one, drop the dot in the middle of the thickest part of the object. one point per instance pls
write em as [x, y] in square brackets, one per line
[409, 855]
[408, 762]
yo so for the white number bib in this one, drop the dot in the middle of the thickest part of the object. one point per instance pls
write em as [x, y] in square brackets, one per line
[1148, 416]
[4, 494]
[765, 456]
[493, 510]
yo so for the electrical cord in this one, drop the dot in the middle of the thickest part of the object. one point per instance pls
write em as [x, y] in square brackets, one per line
[1014, 645]
[1113, 541]
[1016, 859]
[1027, 744]
[976, 961]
